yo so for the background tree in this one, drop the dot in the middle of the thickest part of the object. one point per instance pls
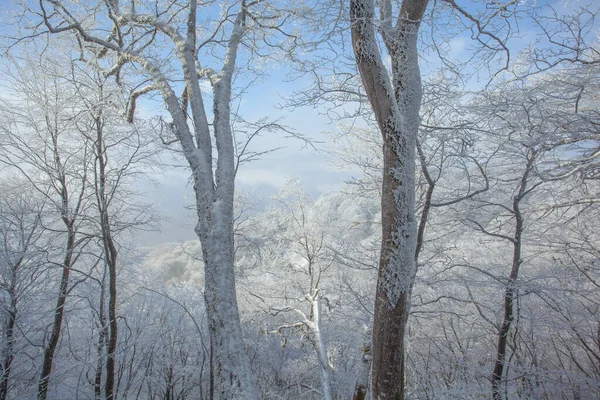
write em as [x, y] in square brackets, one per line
[310, 258]
[21, 259]
[120, 152]
[40, 143]
[546, 127]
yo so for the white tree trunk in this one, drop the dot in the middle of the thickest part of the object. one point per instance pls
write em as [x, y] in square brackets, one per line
[321, 347]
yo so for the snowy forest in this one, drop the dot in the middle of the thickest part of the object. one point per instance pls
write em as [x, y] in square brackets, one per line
[457, 258]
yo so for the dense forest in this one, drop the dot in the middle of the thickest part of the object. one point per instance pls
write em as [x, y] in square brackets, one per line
[460, 260]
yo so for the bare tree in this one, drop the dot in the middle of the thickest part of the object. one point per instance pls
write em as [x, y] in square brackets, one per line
[20, 232]
[132, 40]
[119, 151]
[395, 99]
[551, 131]
[40, 143]
[308, 244]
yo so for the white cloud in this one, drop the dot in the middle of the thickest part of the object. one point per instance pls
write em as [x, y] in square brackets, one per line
[458, 46]
[261, 176]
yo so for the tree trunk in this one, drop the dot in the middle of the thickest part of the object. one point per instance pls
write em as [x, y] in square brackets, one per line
[233, 376]
[110, 254]
[9, 336]
[321, 347]
[113, 326]
[511, 290]
[102, 333]
[393, 288]
[59, 311]
[396, 109]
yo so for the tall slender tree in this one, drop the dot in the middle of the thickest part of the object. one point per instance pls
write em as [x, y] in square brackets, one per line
[118, 151]
[20, 236]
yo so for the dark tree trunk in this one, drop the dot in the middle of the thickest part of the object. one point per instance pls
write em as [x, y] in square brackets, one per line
[511, 290]
[110, 255]
[390, 318]
[9, 337]
[102, 334]
[112, 316]
[69, 212]
[59, 312]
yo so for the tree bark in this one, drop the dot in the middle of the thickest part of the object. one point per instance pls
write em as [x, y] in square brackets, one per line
[102, 334]
[59, 311]
[9, 334]
[396, 109]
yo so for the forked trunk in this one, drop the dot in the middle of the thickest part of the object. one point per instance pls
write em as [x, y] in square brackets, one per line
[395, 103]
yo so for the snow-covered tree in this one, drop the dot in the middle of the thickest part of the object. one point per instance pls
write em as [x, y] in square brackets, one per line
[158, 46]
[21, 270]
[395, 102]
